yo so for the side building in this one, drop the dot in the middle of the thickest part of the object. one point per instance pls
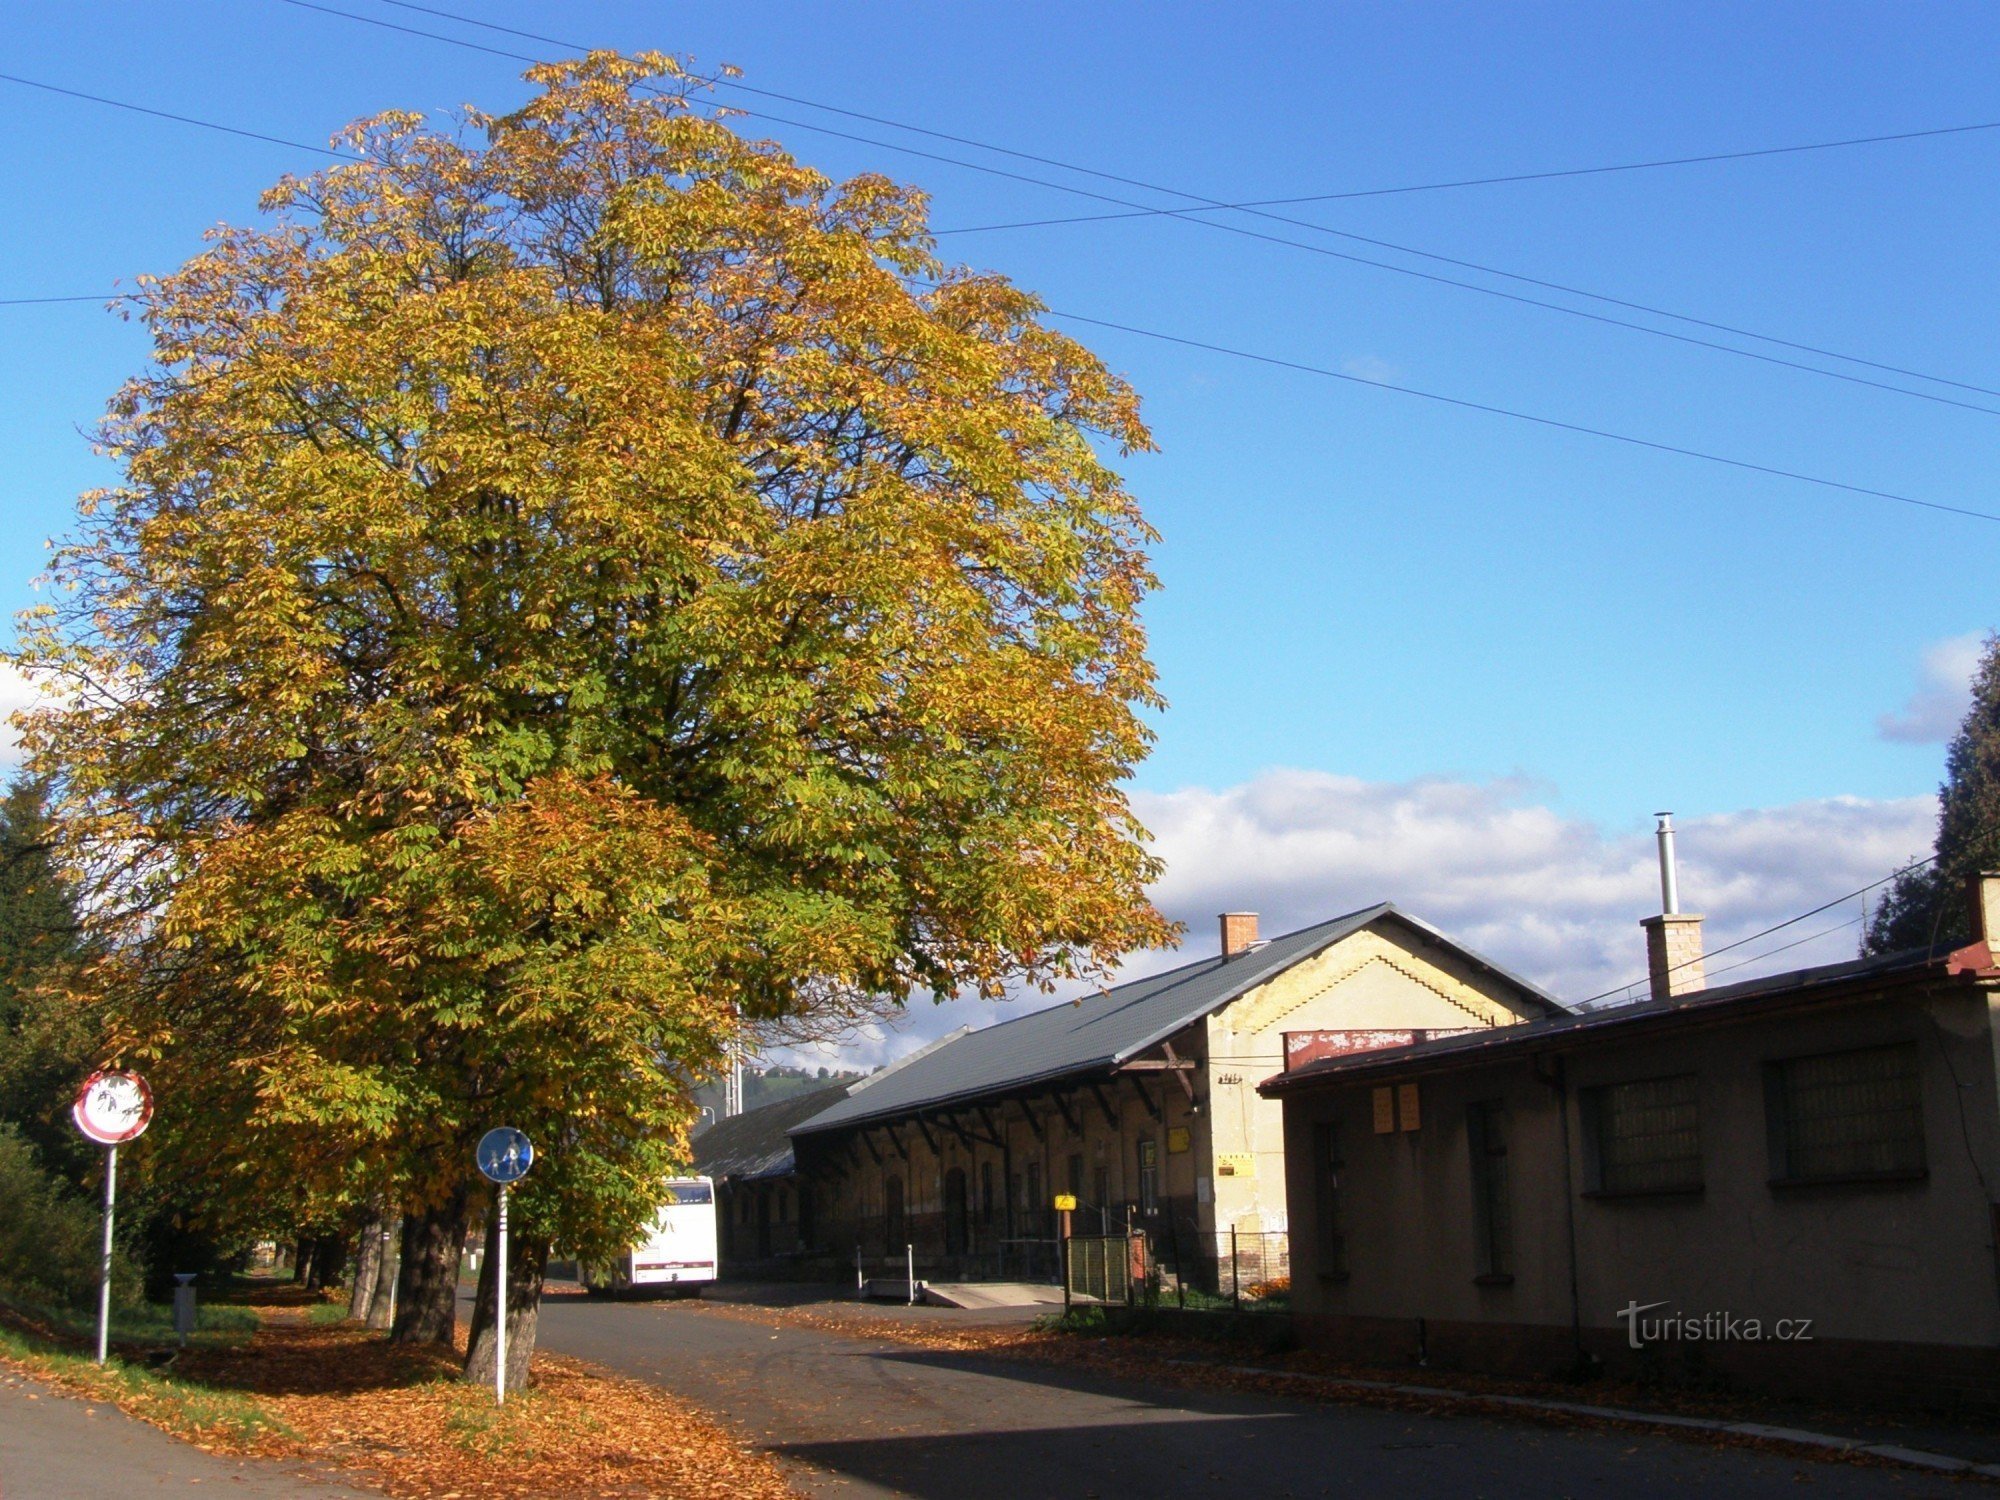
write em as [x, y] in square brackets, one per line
[763, 1212]
[1140, 1101]
[1790, 1184]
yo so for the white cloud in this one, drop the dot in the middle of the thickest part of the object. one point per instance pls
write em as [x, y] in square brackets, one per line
[16, 692]
[1371, 367]
[1553, 897]
[1943, 694]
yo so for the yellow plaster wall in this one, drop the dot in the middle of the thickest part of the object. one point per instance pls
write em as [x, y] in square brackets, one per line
[1381, 978]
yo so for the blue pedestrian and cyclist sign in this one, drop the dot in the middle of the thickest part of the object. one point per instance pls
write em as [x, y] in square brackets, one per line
[504, 1155]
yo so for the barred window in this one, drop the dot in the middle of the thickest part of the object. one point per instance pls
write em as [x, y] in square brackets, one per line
[1846, 1116]
[1645, 1136]
[1492, 1206]
[1327, 1166]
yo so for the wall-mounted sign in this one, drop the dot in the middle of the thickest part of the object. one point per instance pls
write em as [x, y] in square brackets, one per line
[1384, 1100]
[1302, 1047]
[1179, 1139]
[1407, 1115]
[1235, 1164]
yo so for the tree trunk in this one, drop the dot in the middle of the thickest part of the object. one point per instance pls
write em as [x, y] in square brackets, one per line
[367, 1268]
[301, 1257]
[527, 1262]
[330, 1259]
[382, 1306]
[427, 1291]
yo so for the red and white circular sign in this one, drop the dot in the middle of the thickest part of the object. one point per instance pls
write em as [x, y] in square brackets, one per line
[113, 1108]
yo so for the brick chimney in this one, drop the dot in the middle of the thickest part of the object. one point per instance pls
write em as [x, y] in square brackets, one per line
[1239, 932]
[1673, 938]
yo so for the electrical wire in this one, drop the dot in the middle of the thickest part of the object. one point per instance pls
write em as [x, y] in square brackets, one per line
[1775, 927]
[1204, 204]
[1275, 361]
[1522, 416]
[161, 114]
[1421, 187]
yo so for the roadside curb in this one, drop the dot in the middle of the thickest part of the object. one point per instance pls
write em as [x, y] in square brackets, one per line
[1914, 1458]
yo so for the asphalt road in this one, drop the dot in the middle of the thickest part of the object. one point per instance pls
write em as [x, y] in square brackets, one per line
[867, 1418]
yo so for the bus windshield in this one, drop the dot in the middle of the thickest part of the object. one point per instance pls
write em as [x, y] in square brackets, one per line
[683, 1193]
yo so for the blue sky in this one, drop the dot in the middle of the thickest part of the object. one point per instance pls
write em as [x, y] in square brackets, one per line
[1357, 584]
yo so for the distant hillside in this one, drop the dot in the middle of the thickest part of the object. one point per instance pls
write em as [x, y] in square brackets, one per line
[763, 1086]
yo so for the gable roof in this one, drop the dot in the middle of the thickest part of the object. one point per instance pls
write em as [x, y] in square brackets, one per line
[1101, 1031]
[754, 1144]
[1855, 978]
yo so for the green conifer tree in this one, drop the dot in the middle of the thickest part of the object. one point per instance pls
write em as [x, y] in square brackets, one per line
[1925, 905]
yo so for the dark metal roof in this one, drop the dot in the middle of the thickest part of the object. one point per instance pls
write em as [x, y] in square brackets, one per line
[1100, 1031]
[1499, 1043]
[754, 1144]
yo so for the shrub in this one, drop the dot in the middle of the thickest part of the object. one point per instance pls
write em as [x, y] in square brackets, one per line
[51, 1238]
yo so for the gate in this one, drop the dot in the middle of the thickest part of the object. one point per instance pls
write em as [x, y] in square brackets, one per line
[1106, 1268]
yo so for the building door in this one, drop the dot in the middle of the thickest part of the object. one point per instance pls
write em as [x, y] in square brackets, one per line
[954, 1211]
[1149, 1177]
[892, 1218]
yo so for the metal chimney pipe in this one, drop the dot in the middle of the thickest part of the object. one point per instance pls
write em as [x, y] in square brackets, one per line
[1670, 888]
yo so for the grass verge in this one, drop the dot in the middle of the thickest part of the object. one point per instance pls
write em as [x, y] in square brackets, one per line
[310, 1388]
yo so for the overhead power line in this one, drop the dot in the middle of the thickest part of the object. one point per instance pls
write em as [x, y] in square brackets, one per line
[1523, 416]
[162, 114]
[1776, 926]
[1279, 362]
[1653, 164]
[1207, 205]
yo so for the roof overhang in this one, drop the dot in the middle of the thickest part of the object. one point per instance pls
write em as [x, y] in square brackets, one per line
[1966, 969]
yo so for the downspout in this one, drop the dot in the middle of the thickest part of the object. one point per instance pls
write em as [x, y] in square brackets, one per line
[1557, 1078]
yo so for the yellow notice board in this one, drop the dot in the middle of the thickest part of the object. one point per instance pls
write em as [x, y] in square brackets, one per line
[1385, 1111]
[1179, 1138]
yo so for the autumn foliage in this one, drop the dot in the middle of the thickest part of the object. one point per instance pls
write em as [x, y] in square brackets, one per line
[582, 581]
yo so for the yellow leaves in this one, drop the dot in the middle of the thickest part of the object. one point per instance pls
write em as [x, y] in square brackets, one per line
[568, 588]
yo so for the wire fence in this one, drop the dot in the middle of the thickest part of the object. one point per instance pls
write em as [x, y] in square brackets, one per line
[1247, 1270]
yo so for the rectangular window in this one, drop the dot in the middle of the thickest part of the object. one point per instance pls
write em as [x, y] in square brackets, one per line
[1644, 1136]
[1037, 1209]
[1492, 1209]
[1076, 1175]
[1103, 1204]
[987, 1203]
[1149, 1177]
[1846, 1116]
[1327, 1164]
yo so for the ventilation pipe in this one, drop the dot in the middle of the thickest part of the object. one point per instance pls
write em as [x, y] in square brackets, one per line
[1673, 938]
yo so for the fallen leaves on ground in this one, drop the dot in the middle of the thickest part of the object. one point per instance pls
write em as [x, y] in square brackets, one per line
[401, 1419]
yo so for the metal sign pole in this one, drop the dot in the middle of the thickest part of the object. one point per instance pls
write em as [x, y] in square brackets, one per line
[104, 1284]
[500, 1309]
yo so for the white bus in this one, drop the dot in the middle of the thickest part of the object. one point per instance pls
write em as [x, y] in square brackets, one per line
[678, 1251]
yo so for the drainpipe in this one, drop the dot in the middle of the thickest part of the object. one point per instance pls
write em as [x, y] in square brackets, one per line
[1557, 1078]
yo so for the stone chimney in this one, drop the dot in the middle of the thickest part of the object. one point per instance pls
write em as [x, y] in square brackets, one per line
[1239, 932]
[1673, 938]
